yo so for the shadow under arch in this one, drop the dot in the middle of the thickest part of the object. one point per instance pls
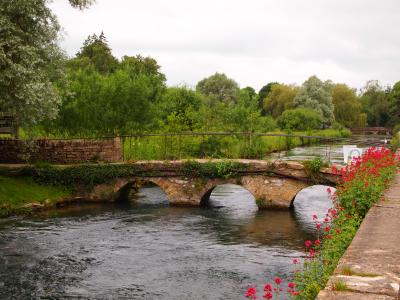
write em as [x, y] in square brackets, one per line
[132, 187]
[205, 198]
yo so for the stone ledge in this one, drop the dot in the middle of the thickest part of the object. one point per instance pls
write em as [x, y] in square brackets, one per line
[373, 255]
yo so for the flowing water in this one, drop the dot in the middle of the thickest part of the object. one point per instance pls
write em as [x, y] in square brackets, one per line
[148, 250]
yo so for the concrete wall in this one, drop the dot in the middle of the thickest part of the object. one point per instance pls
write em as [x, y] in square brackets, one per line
[60, 151]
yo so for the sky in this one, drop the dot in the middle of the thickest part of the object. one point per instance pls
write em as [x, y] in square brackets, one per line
[254, 41]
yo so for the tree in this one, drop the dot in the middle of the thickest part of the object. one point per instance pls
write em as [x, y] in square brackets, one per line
[315, 94]
[96, 51]
[30, 59]
[263, 93]
[347, 107]
[279, 99]
[300, 119]
[394, 102]
[218, 88]
[375, 103]
[178, 105]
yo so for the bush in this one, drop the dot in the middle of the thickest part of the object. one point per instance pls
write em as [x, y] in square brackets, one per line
[300, 119]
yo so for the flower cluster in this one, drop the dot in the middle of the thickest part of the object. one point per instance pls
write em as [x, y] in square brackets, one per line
[362, 184]
[272, 291]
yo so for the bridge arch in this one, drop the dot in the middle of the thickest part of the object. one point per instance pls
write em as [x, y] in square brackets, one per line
[205, 198]
[323, 189]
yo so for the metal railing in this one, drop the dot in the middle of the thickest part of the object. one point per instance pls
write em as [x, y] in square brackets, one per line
[170, 146]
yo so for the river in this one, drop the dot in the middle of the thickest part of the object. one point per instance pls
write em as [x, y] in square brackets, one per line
[148, 250]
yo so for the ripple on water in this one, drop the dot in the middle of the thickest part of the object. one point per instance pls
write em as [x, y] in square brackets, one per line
[142, 251]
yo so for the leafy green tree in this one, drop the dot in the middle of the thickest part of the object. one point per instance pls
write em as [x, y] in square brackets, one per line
[300, 119]
[279, 99]
[348, 109]
[121, 102]
[263, 93]
[178, 105]
[315, 94]
[96, 51]
[375, 103]
[394, 102]
[30, 59]
[218, 88]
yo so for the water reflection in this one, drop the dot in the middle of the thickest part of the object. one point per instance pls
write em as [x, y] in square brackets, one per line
[148, 250]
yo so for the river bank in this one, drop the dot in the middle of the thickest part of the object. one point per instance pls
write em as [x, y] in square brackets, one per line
[22, 195]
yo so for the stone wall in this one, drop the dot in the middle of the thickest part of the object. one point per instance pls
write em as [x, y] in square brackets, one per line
[60, 151]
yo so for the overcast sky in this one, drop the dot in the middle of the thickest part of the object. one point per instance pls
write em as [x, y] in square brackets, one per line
[253, 41]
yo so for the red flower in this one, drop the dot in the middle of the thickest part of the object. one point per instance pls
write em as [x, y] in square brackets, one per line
[251, 292]
[312, 253]
[291, 285]
[296, 261]
[329, 236]
[317, 242]
[315, 217]
[327, 228]
[308, 244]
[267, 288]
[278, 280]
[329, 190]
[268, 295]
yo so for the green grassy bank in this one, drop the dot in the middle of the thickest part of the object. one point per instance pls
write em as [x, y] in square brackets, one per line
[16, 193]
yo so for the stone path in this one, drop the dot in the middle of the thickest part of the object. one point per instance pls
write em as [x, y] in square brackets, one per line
[373, 258]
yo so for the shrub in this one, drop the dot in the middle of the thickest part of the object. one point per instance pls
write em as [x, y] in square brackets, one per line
[300, 119]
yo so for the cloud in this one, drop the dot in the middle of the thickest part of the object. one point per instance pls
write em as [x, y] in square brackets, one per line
[254, 41]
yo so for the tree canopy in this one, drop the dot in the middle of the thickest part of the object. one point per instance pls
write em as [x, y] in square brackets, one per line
[279, 99]
[347, 107]
[30, 59]
[316, 94]
[218, 87]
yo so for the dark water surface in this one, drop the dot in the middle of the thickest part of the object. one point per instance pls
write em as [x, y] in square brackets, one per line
[148, 250]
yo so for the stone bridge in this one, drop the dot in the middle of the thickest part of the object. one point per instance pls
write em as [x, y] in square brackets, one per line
[273, 184]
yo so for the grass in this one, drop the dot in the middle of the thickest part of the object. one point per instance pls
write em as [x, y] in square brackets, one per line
[176, 147]
[15, 193]
[348, 271]
[340, 286]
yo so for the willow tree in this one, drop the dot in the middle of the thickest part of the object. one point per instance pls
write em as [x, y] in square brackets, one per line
[316, 94]
[30, 58]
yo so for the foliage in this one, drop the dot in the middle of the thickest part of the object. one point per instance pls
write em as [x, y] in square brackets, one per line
[221, 169]
[17, 192]
[394, 103]
[300, 119]
[347, 107]
[279, 99]
[30, 59]
[375, 104]
[96, 52]
[316, 95]
[362, 184]
[177, 108]
[218, 88]
[217, 146]
[107, 104]
[263, 93]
